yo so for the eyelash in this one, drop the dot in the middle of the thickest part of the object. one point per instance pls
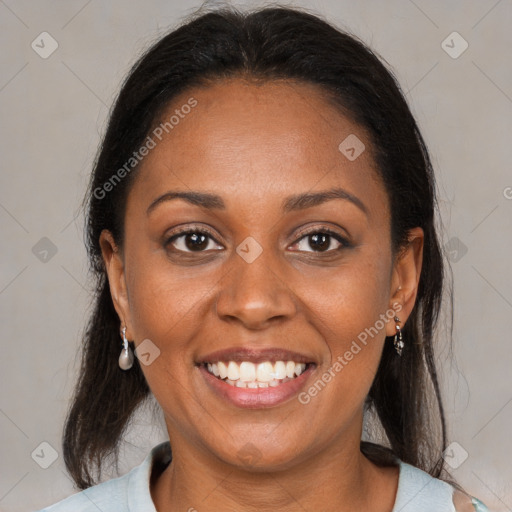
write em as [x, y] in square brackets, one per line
[189, 231]
[324, 231]
[316, 231]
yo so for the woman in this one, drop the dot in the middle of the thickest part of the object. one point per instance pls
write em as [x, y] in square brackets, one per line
[261, 224]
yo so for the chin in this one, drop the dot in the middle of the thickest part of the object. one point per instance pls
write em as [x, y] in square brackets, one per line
[262, 457]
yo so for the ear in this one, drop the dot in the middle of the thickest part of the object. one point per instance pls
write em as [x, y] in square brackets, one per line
[114, 265]
[405, 278]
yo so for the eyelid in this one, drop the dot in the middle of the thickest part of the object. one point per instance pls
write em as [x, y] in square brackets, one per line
[190, 228]
[183, 228]
[322, 229]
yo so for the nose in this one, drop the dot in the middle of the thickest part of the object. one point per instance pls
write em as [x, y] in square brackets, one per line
[255, 294]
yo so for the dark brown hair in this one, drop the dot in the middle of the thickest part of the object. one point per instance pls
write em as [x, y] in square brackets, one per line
[268, 44]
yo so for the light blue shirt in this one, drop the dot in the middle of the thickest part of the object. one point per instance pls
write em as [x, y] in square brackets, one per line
[417, 491]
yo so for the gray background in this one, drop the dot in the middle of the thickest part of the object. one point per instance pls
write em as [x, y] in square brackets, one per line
[53, 113]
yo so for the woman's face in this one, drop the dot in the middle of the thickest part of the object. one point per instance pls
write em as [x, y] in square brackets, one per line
[288, 262]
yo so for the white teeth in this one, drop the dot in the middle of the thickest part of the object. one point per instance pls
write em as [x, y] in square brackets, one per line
[247, 371]
[250, 375]
[223, 371]
[280, 370]
[233, 371]
[299, 368]
[265, 372]
[290, 369]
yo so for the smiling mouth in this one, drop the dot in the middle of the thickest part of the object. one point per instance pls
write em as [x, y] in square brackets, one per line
[246, 374]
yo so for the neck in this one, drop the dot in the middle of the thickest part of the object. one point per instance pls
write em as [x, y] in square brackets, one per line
[338, 480]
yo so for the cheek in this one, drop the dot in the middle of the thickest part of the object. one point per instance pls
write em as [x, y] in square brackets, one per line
[351, 298]
[164, 300]
[350, 310]
[166, 308]
[170, 305]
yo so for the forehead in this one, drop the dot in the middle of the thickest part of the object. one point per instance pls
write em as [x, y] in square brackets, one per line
[258, 142]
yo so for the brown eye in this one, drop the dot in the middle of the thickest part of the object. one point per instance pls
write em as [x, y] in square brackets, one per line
[321, 241]
[192, 240]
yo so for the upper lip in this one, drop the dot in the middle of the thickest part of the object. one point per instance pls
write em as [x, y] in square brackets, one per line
[239, 354]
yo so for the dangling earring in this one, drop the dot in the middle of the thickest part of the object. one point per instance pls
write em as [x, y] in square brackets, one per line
[126, 356]
[398, 341]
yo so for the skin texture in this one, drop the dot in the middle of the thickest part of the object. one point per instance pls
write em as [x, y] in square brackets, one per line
[254, 145]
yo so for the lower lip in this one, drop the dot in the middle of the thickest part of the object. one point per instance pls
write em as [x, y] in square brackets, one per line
[259, 397]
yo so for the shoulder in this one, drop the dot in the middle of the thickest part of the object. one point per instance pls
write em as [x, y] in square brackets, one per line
[128, 493]
[420, 492]
[107, 496]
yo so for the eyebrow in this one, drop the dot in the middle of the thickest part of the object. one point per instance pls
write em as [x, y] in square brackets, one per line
[310, 199]
[291, 203]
